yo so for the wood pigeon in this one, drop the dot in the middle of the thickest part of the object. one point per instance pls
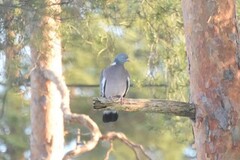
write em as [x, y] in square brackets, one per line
[114, 82]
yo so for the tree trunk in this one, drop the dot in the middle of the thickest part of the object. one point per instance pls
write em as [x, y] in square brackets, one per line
[212, 49]
[47, 137]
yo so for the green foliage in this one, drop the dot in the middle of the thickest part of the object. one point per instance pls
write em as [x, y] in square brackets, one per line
[14, 123]
[150, 32]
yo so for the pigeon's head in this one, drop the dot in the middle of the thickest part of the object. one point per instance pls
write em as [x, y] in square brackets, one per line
[121, 58]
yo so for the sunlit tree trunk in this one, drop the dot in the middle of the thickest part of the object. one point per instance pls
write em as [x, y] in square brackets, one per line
[212, 49]
[47, 137]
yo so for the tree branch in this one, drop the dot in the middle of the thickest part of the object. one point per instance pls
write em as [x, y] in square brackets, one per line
[93, 128]
[109, 151]
[88, 123]
[138, 149]
[132, 85]
[147, 105]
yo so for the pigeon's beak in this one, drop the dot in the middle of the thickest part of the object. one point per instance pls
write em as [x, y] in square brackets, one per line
[127, 60]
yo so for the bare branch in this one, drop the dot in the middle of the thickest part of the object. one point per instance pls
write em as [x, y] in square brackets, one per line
[145, 105]
[60, 83]
[93, 85]
[74, 118]
[138, 149]
[132, 85]
[88, 123]
[4, 98]
[62, 3]
[92, 126]
[109, 151]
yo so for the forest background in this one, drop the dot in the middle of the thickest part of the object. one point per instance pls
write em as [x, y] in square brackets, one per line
[93, 32]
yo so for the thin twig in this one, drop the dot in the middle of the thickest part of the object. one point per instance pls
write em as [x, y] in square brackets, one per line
[109, 151]
[138, 149]
[4, 99]
[132, 85]
[92, 126]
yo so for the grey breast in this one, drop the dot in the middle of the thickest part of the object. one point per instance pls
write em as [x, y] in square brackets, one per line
[116, 81]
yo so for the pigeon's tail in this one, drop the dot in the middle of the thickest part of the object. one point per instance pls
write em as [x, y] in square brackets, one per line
[110, 116]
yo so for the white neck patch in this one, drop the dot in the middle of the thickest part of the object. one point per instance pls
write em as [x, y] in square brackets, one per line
[114, 63]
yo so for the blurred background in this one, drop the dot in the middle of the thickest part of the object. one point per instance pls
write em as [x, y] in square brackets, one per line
[93, 32]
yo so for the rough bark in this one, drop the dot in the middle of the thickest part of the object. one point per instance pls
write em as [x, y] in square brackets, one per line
[47, 138]
[212, 49]
[147, 105]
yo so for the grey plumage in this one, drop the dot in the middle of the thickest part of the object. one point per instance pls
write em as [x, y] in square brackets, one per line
[115, 80]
